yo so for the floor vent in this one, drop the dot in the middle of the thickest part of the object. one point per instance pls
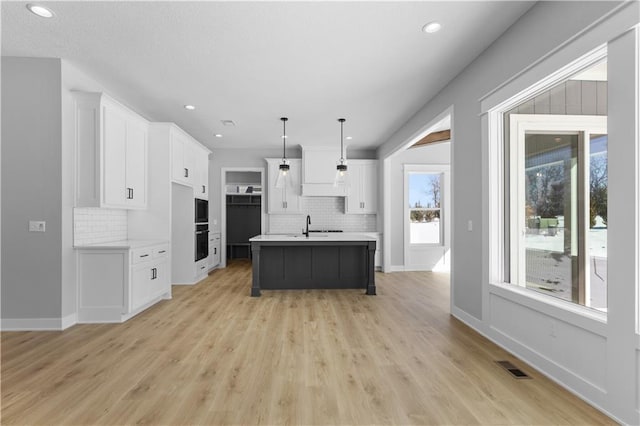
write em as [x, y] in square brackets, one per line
[515, 371]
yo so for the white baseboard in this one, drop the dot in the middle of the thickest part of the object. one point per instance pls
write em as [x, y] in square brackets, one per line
[31, 324]
[469, 320]
[68, 321]
[410, 268]
[553, 371]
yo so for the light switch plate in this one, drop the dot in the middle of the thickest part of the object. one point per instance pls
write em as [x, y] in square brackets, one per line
[37, 225]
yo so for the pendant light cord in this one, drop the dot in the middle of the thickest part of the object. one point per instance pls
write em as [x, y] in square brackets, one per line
[341, 120]
[284, 138]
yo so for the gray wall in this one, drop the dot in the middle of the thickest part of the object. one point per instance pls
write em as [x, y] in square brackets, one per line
[432, 154]
[31, 187]
[519, 47]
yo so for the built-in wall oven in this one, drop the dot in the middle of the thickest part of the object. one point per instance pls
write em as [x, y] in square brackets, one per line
[202, 241]
[202, 211]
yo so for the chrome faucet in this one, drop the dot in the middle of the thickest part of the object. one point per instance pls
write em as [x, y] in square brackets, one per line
[306, 233]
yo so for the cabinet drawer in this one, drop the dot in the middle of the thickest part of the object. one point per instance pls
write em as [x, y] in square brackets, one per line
[140, 255]
[160, 251]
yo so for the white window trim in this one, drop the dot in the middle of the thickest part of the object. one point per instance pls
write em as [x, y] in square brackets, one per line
[433, 169]
[496, 203]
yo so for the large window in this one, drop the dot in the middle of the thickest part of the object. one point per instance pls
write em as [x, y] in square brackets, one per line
[424, 193]
[557, 191]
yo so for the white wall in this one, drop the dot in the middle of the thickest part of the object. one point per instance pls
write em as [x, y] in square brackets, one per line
[31, 190]
[327, 213]
[596, 359]
[429, 154]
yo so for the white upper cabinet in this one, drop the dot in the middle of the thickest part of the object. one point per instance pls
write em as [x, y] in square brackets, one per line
[136, 165]
[286, 199]
[182, 158]
[188, 165]
[111, 148]
[201, 184]
[362, 189]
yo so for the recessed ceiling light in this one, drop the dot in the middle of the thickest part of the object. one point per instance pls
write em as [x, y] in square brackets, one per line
[228, 123]
[349, 138]
[432, 27]
[218, 135]
[189, 107]
[40, 10]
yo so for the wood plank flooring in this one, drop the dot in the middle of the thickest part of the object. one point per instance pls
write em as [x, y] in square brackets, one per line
[214, 355]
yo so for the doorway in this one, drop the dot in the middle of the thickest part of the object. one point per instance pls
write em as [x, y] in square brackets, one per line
[242, 212]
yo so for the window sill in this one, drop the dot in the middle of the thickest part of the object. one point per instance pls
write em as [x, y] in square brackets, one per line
[576, 315]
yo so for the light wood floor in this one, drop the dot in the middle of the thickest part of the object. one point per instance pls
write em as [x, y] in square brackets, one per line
[213, 355]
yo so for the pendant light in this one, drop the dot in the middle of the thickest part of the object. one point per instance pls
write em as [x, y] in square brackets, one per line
[283, 169]
[341, 168]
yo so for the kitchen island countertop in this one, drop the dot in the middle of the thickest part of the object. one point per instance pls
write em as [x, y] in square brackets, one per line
[314, 237]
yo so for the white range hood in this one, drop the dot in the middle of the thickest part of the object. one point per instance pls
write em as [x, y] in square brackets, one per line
[319, 171]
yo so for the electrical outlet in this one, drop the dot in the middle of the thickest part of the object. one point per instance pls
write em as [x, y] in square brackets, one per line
[37, 225]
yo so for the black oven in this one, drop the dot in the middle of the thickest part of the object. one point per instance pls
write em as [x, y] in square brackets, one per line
[202, 241]
[202, 211]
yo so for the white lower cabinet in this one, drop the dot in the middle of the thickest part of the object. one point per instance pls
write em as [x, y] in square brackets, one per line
[117, 283]
[214, 250]
[202, 268]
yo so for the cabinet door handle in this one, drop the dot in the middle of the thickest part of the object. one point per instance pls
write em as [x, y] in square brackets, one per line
[186, 172]
[215, 250]
[154, 273]
[129, 193]
[203, 189]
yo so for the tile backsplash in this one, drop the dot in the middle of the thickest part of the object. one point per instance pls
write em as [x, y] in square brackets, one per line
[326, 213]
[95, 225]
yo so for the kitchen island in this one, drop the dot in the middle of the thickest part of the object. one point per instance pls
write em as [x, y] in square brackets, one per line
[337, 261]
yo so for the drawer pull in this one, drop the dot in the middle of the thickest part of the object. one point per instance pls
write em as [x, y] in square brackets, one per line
[162, 251]
[144, 255]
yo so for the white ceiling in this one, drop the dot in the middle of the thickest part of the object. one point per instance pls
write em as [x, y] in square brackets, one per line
[253, 62]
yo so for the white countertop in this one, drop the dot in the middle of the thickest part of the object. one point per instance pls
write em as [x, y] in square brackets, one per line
[315, 237]
[123, 244]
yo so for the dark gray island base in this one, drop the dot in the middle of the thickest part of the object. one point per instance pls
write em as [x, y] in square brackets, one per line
[312, 263]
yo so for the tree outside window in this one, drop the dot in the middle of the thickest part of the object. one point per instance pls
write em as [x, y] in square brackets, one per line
[425, 225]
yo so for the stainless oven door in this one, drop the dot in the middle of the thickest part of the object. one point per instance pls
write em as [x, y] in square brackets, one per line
[202, 244]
